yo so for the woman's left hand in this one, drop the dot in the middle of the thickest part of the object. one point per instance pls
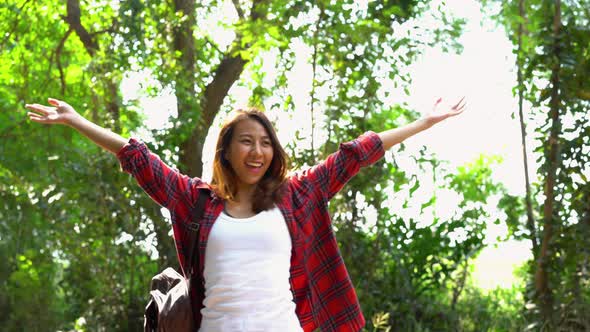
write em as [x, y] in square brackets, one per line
[436, 115]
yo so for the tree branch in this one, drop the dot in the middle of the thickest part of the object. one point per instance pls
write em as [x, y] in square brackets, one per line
[228, 71]
[238, 9]
[210, 42]
[58, 50]
[519, 59]
[73, 19]
[314, 79]
[226, 74]
[111, 29]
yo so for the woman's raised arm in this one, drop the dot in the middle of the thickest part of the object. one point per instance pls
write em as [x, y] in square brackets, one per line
[164, 184]
[62, 113]
[397, 135]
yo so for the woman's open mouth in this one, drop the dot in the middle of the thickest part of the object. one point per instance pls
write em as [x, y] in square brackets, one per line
[254, 166]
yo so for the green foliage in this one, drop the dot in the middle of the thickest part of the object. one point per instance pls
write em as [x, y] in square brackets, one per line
[554, 66]
[495, 310]
[32, 289]
[414, 261]
[79, 241]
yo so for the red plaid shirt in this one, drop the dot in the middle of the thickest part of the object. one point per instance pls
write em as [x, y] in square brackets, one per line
[321, 286]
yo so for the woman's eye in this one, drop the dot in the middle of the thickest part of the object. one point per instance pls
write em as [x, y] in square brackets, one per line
[246, 141]
[266, 143]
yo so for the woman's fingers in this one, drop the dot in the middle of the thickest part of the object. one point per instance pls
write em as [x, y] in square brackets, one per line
[51, 118]
[459, 107]
[40, 108]
[458, 110]
[54, 102]
[436, 103]
[36, 117]
[462, 107]
[47, 114]
[459, 102]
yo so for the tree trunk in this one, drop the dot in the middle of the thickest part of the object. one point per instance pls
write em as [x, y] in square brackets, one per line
[191, 150]
[186, 101]
[460, 285]
[543, 290]
[165, 243]
[73, 18]
[529, 206]
[227, 73]
[112, 104]
[111, 88]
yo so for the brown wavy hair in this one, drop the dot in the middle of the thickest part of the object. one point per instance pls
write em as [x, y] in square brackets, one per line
[269, 189]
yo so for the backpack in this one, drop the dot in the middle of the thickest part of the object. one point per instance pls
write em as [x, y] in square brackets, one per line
[170, 308]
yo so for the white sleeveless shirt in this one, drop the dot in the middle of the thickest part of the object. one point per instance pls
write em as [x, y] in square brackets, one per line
[246, 275]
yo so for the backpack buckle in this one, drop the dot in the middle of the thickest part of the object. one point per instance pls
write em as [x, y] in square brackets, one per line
[193, 226]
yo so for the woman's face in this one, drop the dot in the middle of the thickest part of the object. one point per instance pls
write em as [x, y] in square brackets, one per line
[250, 152]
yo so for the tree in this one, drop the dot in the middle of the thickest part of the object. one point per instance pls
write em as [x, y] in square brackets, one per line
[554, 54]
[83, 225]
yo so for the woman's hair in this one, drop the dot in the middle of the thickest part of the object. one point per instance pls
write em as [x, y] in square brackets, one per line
[269, 188]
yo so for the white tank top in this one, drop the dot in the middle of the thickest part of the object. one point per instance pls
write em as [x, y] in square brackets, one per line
[246, 275]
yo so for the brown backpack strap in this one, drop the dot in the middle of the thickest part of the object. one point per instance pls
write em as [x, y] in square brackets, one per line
[193, 232]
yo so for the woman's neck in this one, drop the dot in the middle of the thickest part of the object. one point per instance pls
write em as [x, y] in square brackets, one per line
[240, 206]
[245, 194]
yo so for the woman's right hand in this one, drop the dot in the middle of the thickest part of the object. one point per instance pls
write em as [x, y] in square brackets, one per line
[60, 113]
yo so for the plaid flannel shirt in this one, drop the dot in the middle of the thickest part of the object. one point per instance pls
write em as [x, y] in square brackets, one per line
[321, 287]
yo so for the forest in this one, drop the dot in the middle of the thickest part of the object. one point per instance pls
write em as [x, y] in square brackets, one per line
[80, 241]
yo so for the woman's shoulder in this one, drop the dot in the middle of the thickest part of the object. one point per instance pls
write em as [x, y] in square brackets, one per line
[300, 181]
[198, 183]
[297, 175]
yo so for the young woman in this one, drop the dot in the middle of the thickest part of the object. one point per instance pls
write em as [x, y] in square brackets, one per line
[269, 257]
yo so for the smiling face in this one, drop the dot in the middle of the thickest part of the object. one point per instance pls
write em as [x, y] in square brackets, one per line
[249, 157]
[250, 152]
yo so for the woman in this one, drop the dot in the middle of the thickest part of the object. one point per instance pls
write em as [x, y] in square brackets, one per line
[268, 254]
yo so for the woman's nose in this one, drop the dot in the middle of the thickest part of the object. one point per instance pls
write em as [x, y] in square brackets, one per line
[257, 149]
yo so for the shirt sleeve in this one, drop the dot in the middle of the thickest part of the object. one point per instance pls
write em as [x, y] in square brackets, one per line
[332, 174]
[165, 185]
